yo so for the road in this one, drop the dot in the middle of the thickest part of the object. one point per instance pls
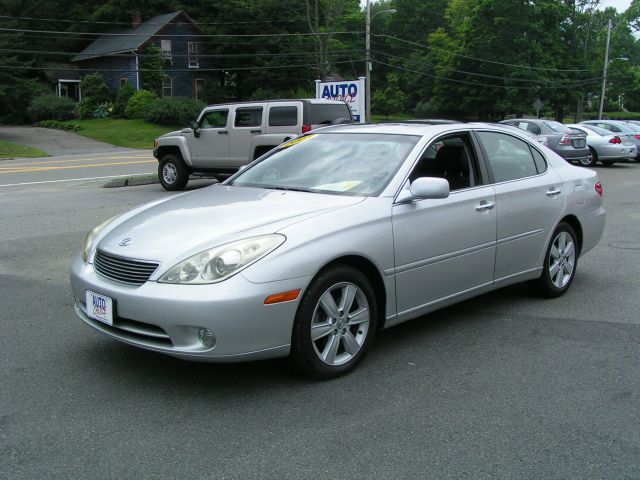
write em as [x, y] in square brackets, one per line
[502, 386]
[73, 168]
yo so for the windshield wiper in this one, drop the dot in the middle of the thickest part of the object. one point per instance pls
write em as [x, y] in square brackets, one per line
[288, 189]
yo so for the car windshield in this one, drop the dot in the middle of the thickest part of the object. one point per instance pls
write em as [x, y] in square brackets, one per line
[336, 163]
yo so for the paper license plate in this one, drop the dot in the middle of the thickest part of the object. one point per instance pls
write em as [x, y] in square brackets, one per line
[99, 307]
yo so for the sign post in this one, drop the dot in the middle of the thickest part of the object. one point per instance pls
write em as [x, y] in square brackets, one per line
[538, 106]
[350, 91]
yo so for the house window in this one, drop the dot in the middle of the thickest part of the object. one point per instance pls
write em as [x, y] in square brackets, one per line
[193, 55]
[167, 87]
[199, 88]
[123, 80]
[166, 49]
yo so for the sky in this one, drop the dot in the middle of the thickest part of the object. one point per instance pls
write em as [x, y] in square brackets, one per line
[620, 5]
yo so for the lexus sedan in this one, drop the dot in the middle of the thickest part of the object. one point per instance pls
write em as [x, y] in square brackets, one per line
[334, 235]
[570, 145]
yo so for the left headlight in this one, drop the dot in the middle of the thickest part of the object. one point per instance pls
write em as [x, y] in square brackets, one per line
[219, 263]
[91, 237]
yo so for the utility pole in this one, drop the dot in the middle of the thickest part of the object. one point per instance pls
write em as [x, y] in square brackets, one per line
[604, 73]
[367, 47]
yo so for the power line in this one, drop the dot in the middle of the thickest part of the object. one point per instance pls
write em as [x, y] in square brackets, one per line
[485, 75]
[206, 35]
[99, 22]
[175, 70]
[480, 59]
[475, 84]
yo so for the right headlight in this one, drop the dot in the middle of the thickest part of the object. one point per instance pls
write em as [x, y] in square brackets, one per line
[219, 263]
[90, 238]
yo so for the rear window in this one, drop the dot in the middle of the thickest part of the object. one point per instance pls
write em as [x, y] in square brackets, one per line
[325, 114]
[598, 130]
[558, 127]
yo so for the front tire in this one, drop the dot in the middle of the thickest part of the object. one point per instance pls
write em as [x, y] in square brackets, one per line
[335, 323]
[172, 172]
[560, 263]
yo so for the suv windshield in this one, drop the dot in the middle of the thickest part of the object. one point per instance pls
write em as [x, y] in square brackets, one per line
[337, 163]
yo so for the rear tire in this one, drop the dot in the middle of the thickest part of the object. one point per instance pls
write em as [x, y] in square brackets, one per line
[172, 172]
[591, 160]
[560, 263]
[335, 323]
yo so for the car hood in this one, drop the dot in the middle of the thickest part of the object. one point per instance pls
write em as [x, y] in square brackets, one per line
[193, 222]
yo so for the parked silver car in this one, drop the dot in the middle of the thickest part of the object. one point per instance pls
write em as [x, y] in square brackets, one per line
[568, 144]
[334, 235]
[626, 131]
[604, 146]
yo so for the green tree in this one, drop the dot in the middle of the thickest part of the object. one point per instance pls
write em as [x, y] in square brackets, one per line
[152, 69]
[391, 100]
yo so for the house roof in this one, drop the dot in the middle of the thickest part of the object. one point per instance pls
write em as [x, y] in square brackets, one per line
[132, 39]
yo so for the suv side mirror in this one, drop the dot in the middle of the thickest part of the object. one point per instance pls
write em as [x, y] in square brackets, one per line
[195, 126]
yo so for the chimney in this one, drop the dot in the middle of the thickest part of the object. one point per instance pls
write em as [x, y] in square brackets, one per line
[136, 18]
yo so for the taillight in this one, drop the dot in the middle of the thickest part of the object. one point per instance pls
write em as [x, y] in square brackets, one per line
[306, 128]
[615, 140]
[599, 189]
[565, 140]
[637, 136]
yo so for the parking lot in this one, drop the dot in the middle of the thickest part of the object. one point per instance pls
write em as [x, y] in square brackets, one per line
[506, 385]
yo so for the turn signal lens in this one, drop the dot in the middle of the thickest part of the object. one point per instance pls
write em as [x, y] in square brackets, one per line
[282, 297]
[599, 189]
[306, 128]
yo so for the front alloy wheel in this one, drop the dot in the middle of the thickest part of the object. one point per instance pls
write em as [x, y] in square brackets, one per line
[172, 172]
[335, 323]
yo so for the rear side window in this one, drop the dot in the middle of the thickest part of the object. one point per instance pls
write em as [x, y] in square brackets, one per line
[541, 163]
[283, 116]
[325, 114]
[530, 127]
[248, 117]
[510, 158]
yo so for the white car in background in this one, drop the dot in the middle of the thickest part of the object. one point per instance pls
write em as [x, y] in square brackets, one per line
[604, 145]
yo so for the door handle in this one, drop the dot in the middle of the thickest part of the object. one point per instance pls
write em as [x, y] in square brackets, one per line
[484, 205]
[223, 132]
[256, 131]
[552, 192]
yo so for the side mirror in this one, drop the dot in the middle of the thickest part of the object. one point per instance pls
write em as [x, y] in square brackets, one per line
[195, 126]
[423, 188]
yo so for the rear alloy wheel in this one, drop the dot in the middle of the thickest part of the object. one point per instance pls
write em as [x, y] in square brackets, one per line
[560, 263]
[335, 323]
[172, 172]
[590, 160]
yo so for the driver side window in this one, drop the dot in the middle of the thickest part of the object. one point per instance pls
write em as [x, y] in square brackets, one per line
[450, 158]
[214, 119]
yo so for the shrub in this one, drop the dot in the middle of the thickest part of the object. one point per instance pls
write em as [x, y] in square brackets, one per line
[93, 86]
[102, 110]
[139, 103]
[124, 95]
[86, 107]
[70, 127]
[51, 107]
[425, 109]
[173, 111]
[17, 92]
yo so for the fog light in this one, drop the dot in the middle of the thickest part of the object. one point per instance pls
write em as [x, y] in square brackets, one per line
[207, 338]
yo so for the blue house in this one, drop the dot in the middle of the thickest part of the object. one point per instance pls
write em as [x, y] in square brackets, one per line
[117, 56]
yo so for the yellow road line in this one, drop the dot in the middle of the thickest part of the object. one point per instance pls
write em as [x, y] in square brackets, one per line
[3, 165]
[42, 169]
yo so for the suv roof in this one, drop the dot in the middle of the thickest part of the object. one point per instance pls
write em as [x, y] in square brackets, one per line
[313, 101]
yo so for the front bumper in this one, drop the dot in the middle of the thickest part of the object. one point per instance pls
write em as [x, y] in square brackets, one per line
[166, 318]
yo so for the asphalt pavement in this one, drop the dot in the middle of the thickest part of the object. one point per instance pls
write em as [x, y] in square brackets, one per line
[505, 385]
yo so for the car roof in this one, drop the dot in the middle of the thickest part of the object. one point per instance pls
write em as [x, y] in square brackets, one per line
[314, 101]
[402, 128]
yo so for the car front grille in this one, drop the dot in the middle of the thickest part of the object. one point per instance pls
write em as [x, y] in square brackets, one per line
[121, 269]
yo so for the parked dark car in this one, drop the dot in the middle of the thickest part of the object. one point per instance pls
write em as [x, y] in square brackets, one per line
[570, 145]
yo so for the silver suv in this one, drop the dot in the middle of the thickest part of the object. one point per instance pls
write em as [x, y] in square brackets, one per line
[227, 136]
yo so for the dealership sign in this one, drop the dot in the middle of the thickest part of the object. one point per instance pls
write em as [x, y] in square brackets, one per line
[350, 91]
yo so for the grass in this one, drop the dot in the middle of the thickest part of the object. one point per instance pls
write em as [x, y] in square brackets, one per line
[612, 115]
[12, 150]
[122, 132]
[390, 118]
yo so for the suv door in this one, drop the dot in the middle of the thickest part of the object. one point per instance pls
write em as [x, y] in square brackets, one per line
[444, 247]
[211, 147]
[529, 200]
[248, 123]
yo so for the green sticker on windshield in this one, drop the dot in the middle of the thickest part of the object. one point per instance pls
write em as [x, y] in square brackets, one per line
[298, 140]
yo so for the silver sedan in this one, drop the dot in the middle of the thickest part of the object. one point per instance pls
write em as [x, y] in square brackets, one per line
[604, 146]
[319, 244]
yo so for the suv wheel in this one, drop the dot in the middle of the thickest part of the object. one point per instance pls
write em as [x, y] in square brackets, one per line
[172, 172]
